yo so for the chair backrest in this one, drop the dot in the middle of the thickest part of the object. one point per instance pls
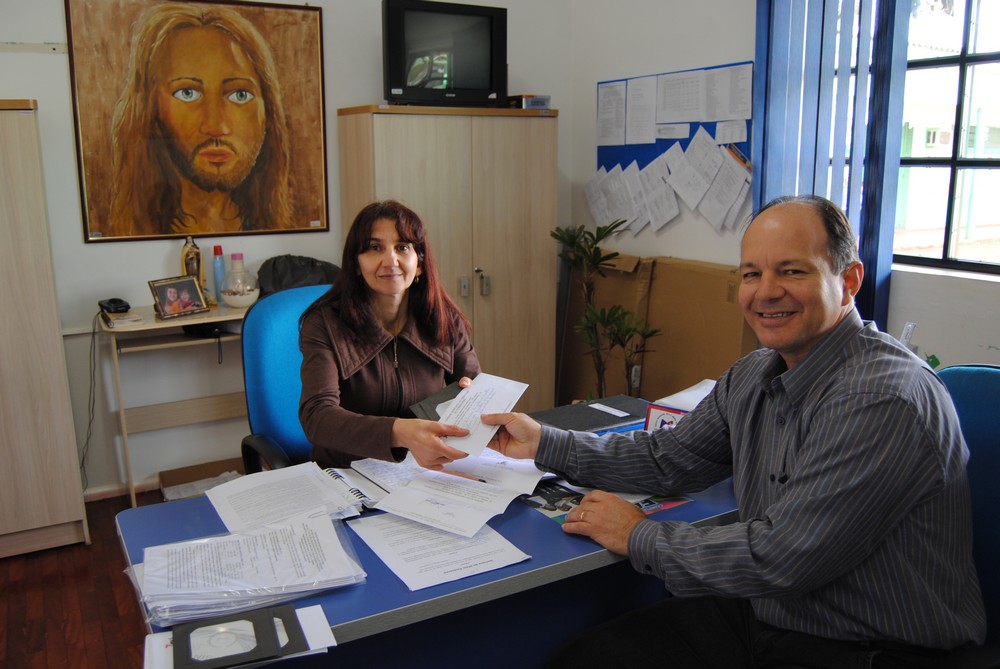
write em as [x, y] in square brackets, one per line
[271, 362]
[975, 390]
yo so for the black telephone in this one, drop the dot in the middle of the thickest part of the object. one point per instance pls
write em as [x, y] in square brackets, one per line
[114, 305]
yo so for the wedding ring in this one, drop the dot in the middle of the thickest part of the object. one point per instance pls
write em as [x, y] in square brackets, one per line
[583, 516]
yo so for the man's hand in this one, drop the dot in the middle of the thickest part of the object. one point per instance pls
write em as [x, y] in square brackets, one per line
[424, 438]
[605, 518]
[518, 434]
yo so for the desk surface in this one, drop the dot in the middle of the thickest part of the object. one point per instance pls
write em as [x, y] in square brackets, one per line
[383, 602]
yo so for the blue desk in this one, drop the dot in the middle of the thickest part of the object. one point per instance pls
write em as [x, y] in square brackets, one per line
[509, 617]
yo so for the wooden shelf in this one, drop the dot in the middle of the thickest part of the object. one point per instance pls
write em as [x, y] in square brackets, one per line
[161, 342]
[186, 412]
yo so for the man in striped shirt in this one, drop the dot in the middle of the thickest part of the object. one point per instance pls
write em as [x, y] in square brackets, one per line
[854, 544]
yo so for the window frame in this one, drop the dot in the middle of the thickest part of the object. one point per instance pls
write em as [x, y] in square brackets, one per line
[963, 61]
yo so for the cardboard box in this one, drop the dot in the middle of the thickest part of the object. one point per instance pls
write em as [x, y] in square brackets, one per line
[696, 305]
[627, 283]
[205, 470]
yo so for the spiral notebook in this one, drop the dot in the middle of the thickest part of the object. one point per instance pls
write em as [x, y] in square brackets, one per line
[364, 489]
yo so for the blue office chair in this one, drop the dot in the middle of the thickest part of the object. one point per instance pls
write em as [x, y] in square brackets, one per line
[975, 390]
[271, 361]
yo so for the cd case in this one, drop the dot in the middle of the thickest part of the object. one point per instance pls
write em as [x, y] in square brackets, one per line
[232, 640]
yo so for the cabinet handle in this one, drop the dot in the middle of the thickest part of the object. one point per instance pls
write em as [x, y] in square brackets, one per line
[463, 285]
[484, 282]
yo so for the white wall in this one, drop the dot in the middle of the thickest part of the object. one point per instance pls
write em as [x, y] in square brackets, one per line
[557, 47]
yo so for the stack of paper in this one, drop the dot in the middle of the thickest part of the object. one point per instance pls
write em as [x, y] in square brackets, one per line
[240, 571]
[285, 541]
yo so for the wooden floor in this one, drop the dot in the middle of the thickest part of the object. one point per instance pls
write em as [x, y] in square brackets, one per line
[73, 607]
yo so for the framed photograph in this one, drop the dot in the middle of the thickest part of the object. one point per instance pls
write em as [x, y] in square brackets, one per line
[177, 296]
[198, 118]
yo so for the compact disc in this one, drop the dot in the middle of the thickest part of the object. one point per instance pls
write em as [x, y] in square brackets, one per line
[216, 641]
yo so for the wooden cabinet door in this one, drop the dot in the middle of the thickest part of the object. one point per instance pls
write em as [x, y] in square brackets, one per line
[514, 210]
[426, 163]
[485, 187]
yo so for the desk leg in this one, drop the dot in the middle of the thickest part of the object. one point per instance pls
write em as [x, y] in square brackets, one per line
[122, 426]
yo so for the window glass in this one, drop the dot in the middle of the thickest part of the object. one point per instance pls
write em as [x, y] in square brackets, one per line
[936, 28]
[986, 28]
[921, 211]
[929, 112]
[981, 120]
[975, 233]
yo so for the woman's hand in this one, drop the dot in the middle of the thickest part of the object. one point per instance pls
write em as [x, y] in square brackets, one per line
[518, 434]
[425, 440]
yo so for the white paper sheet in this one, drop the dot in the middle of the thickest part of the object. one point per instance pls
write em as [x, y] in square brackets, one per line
[486, 394]
[292, 556]
[270, 496]
[688, 398]
[422, 556]
[448, 502]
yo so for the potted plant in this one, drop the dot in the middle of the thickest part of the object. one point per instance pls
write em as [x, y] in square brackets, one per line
[602, 330]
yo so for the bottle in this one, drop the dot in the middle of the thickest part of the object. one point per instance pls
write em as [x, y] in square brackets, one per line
[191, 261]
[218, 272]
[239, 289]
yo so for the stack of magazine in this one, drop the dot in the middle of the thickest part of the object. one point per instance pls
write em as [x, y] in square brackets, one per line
[285, 541]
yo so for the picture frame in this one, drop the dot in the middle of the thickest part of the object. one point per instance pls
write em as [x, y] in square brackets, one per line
[177, 296]
[146, 74]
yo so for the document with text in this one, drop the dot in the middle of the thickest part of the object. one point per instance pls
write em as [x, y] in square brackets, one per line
[242, 570]
[270, 496]
[463, 497]
[486, 394]
[423, 556]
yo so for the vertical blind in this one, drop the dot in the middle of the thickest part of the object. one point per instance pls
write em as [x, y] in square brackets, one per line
[827, 91]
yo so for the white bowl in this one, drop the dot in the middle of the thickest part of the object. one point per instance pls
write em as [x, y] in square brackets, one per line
[242, 300]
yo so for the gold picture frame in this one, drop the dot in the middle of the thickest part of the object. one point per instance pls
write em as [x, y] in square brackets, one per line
[171, 143]
[177, 296]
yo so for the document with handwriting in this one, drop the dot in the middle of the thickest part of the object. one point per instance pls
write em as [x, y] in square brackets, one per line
[460, 499]
[486, 394]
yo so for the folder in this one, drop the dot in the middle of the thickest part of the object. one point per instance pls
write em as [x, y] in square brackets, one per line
[602, 415]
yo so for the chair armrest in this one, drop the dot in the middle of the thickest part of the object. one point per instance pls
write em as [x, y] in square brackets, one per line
[258, 448]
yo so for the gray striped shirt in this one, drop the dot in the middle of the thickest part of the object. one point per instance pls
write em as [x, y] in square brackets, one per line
[849, 472]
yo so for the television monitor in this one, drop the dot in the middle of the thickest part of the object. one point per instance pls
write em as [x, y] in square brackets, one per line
[443, 53]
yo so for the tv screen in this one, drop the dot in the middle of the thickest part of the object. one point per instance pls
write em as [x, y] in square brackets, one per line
[442, 53]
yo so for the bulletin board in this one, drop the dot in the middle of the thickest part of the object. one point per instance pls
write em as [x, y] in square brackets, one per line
[672, 138]
[609, 155]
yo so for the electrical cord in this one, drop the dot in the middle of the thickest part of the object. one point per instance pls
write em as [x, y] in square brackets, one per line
[91, 400]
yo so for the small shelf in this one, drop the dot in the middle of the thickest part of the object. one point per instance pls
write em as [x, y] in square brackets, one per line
[160, 342]
[186, 412]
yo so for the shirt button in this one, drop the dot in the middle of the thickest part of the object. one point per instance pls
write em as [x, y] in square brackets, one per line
[781, 420]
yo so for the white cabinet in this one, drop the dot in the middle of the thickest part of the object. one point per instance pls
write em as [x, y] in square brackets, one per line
[484, 183]
[42, 495]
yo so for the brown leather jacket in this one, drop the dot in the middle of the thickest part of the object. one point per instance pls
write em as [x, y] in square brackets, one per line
[352, 391]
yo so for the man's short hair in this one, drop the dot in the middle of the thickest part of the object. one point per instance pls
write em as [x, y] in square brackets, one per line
[146, 200]
[842, 243]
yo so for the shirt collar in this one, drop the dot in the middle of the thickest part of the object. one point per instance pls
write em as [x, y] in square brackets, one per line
[796, 381]
[822, 359]
[353, 355]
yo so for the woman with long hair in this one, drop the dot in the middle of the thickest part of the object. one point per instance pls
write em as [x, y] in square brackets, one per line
[383, 338]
